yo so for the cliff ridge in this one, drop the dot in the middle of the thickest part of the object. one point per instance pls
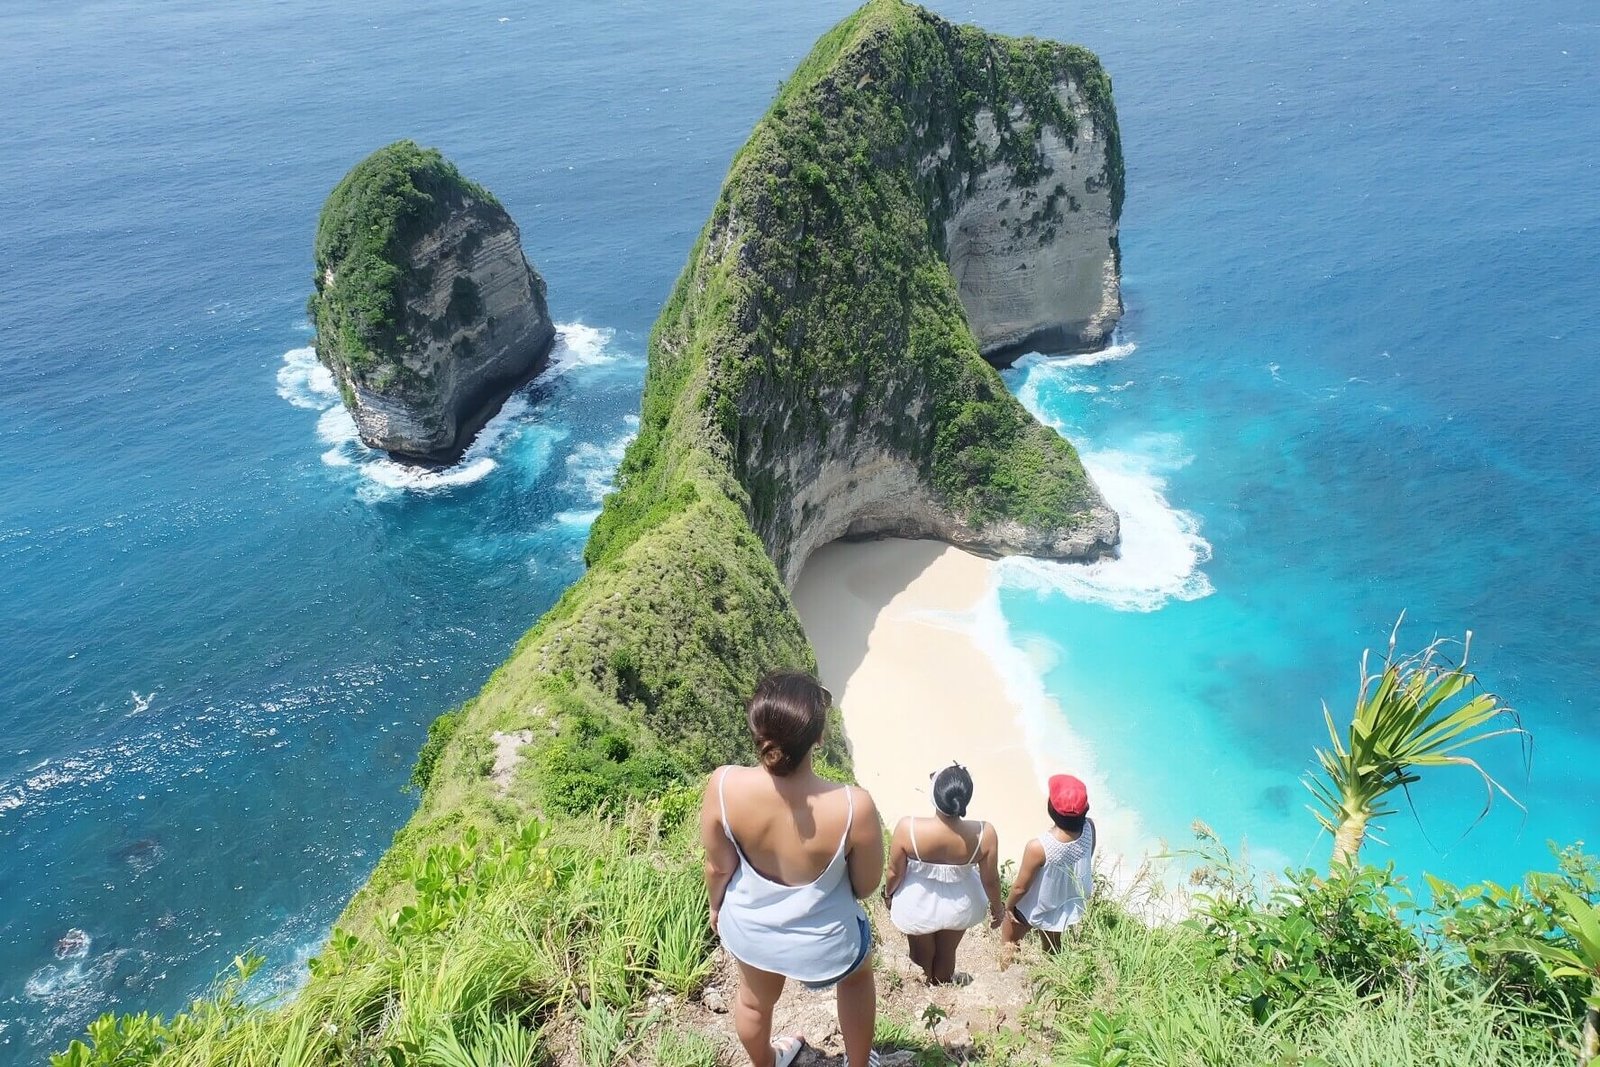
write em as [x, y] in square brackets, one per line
[813, 375]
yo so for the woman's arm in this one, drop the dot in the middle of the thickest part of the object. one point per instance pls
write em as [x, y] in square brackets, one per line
[722, 859]
[1032, 860]
[989, 871]
[897, 861]
[866, 846]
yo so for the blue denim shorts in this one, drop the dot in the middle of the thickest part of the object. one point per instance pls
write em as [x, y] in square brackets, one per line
[865, 931]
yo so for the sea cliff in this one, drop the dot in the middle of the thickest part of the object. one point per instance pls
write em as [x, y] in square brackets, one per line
[426, 309]
[814, 375]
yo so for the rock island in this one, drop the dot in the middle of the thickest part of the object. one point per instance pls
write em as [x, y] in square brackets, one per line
[426, 309]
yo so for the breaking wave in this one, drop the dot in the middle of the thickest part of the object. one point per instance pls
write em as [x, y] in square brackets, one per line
[304, 382]
[1162, 549]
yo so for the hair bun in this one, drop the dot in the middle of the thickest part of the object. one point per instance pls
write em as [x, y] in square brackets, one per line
[787, 714]
[952, 790]
[775, 759]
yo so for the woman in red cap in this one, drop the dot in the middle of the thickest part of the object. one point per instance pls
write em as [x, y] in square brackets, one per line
[1053, 884]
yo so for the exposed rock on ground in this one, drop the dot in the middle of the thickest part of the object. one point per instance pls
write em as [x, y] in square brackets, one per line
[965, 1015]
[1033, 246]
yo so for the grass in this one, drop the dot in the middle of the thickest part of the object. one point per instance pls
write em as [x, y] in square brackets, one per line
[1129, 994]
[503, 945]
[772, 352]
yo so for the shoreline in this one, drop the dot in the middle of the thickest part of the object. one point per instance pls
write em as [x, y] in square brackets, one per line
[910, 639]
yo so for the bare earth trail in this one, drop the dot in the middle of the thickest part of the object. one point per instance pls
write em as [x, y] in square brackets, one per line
[991, 1000]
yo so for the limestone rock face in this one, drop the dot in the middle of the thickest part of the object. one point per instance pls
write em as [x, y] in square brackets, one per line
[861, 487]
[1035, 255]
[426, 309]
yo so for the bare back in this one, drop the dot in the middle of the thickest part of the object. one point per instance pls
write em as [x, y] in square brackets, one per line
[941, 841]
[789, 829]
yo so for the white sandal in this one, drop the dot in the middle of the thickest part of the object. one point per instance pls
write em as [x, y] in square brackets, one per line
[785, 1049]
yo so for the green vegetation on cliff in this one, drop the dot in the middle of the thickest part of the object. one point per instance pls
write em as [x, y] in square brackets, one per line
[368, 222]
[822, 274]
[819, 272]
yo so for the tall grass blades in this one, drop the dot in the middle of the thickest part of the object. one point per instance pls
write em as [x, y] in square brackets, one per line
[498, 941]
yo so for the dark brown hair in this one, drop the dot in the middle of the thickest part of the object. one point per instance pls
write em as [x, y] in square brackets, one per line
[1072, 824]
[787, 713]
[952, 790]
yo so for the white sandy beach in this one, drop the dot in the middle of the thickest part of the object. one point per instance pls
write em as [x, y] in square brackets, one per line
[909, 637]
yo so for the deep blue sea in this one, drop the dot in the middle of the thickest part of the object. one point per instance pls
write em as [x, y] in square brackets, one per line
[1362, 269]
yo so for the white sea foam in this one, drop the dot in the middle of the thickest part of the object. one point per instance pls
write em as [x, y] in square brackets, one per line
[594, 466]
[1117, 350]
[475, 464]
[577, 519]
[304, 382]
[578, 347]
[1161, 551]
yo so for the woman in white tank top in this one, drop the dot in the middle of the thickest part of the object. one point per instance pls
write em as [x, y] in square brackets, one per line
[1056, 877]
[788, 858]
[944, 876]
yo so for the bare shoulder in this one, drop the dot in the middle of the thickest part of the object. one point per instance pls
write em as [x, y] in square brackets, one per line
[865, 811]
[864, 804]
[1033, 851]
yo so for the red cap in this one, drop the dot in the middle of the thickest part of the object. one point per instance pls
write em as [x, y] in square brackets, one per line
[1068, 795]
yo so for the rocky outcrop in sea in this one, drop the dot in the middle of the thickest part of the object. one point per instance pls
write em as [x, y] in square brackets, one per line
[426, 309]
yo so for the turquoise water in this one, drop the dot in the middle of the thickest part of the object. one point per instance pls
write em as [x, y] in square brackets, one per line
[1355, 380]
[1360, 245]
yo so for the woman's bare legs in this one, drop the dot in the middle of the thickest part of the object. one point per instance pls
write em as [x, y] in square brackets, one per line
[921, 947]
[858, 1010]
[752, 1012]
[945, 943]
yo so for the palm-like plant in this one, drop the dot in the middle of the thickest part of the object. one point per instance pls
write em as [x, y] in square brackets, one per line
[1417, 712]
[1581, 921]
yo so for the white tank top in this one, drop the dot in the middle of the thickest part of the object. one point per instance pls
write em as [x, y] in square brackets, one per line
[1059, 895]
[811, 932]
[939, 896]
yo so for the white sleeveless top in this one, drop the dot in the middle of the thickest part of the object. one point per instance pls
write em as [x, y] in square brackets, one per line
[1059, 895]
[939, 896]
[811, 932]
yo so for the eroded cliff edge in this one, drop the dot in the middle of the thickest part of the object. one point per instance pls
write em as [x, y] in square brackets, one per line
[426, 309]
[813, 375]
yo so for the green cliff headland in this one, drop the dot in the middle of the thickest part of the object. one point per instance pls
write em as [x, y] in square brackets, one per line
[813, 375]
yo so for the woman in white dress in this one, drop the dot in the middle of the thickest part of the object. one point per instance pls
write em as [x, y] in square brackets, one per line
[789, 857]
[1053, 884]
[944, 876]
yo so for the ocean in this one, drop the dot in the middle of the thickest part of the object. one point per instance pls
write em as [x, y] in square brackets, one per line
[1361, 250]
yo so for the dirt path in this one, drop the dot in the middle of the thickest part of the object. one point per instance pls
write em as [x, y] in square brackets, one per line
[956, 1017]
